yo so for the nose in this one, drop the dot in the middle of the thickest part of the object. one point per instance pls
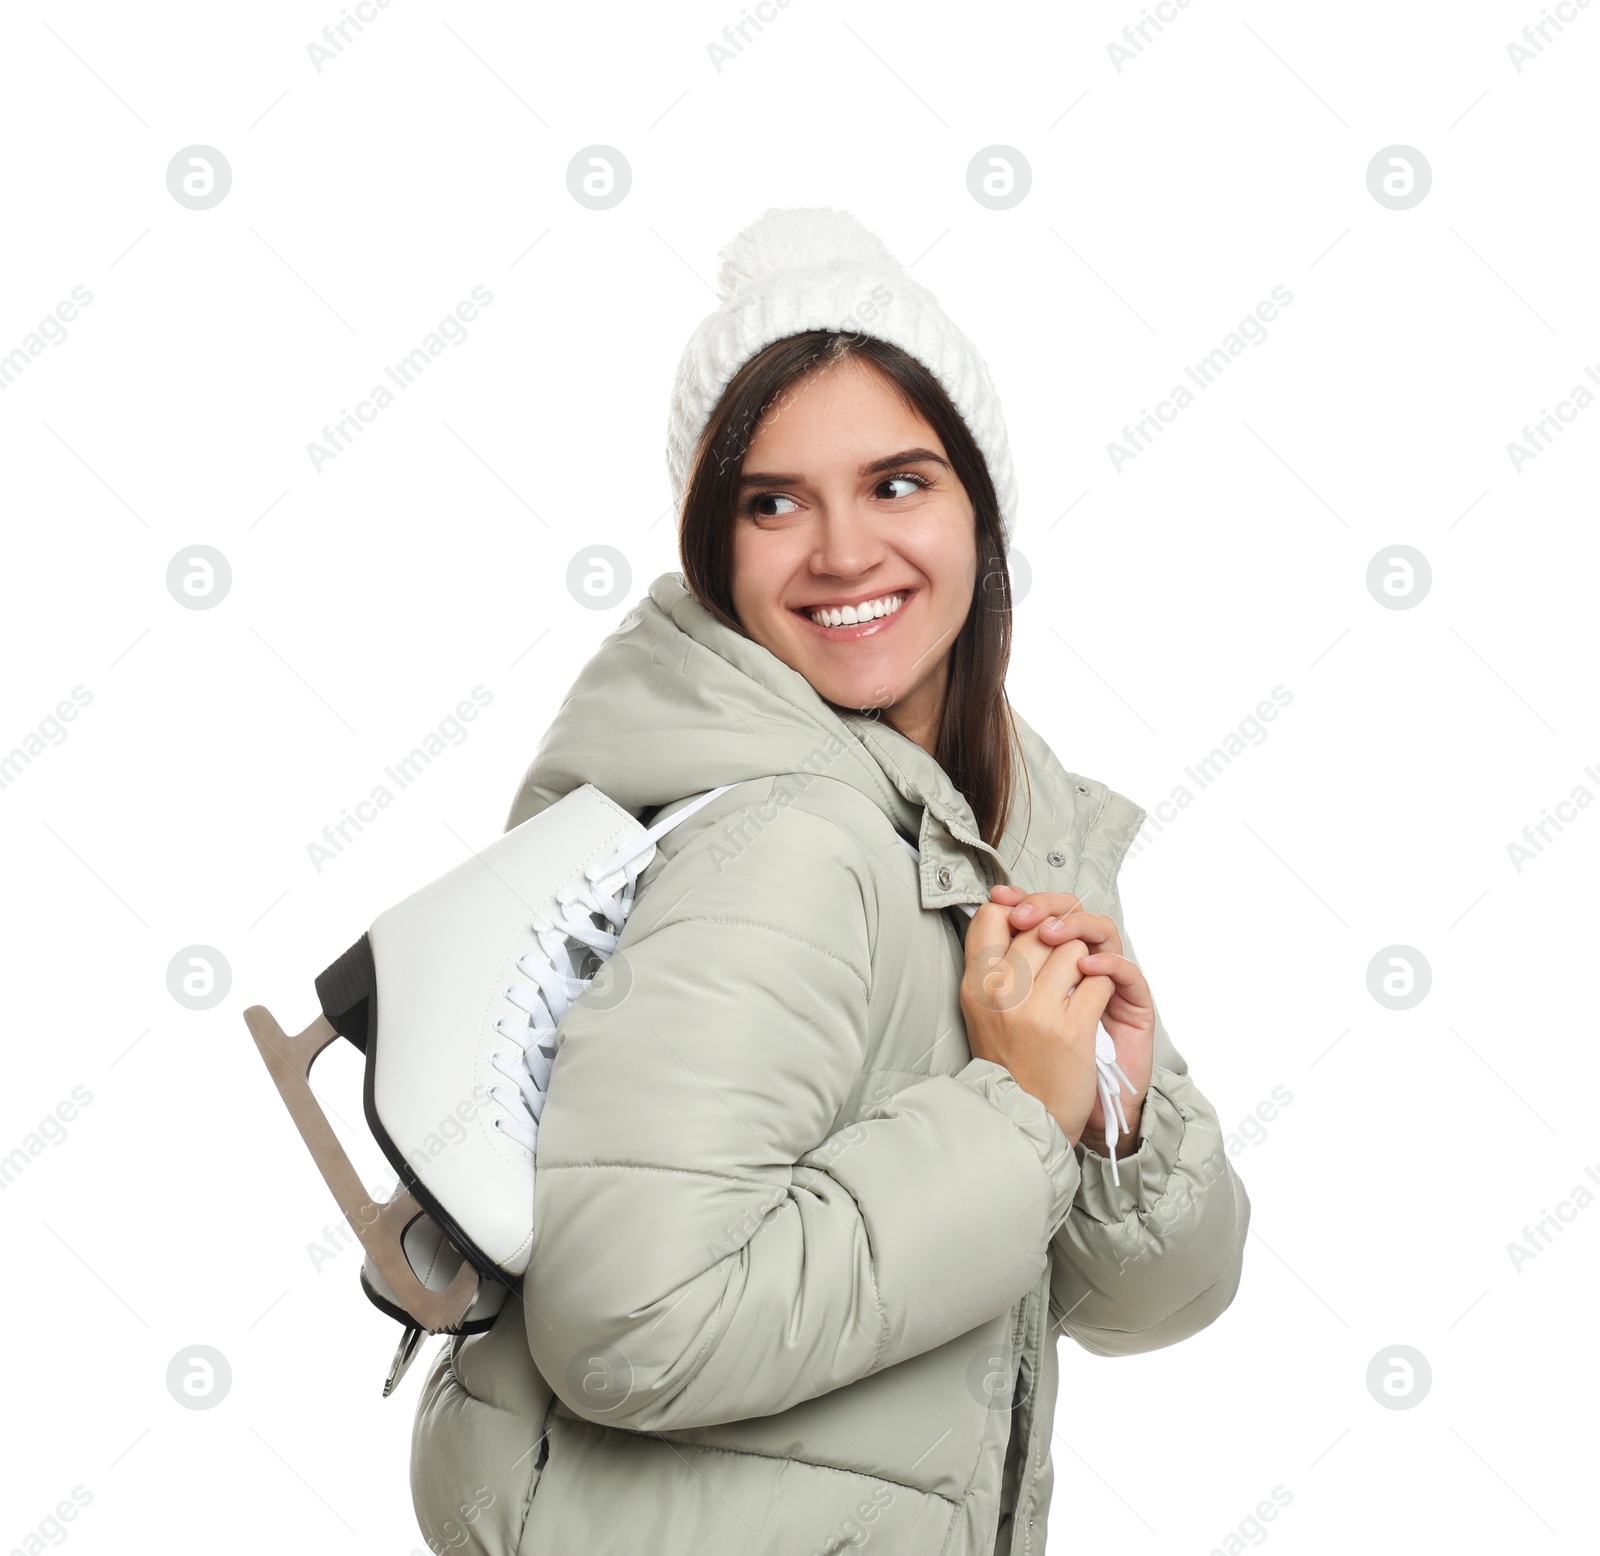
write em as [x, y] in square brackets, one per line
[848, 544]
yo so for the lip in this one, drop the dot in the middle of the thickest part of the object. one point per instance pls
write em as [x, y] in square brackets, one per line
[866, 629]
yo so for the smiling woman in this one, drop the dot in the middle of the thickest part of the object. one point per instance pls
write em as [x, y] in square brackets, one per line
[824, 1174]
[861, 483]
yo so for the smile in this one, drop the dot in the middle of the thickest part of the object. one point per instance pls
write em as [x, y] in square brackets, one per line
[851, 623]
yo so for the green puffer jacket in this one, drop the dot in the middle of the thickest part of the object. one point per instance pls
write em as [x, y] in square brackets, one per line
[800, 1262]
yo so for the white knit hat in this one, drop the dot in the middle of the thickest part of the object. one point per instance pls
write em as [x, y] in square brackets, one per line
[813, 267]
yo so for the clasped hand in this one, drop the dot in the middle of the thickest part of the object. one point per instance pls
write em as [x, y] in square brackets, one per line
[1041, 976]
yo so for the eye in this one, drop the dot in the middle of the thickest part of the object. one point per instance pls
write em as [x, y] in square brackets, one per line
[917, 483]
[757, 505]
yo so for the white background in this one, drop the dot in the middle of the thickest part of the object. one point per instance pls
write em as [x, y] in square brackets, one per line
[1167, 599]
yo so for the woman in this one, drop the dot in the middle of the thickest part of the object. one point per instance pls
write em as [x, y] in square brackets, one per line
[823, 1174]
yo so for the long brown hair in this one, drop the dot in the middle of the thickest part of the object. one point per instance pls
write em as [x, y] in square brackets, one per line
[977, 742]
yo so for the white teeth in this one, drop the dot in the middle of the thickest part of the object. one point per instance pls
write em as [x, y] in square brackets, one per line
[854, 615]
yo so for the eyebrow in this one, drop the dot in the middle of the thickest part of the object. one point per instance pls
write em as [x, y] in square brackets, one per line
[910, 456]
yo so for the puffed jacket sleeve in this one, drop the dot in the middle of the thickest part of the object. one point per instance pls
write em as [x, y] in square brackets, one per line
[711, 1241]
[1150, 1261]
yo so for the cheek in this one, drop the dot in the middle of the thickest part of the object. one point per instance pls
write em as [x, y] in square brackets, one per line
[753, 578]
[942, 548]
[763, 565]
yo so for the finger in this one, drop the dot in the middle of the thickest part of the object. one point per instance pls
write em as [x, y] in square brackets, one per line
[1002, 975]
[1126, 975]
[1085, 1009]
[1034, 907]
[1059, 975]
[1000, 968]
[1099, 929]
[989, 927]
[1032, 957]
[1061, 986]
[1042, 951]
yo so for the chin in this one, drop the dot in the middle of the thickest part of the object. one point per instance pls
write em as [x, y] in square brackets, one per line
[854, 693]
[855, 699]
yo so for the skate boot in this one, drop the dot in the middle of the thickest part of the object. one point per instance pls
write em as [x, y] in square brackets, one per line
[454, 996]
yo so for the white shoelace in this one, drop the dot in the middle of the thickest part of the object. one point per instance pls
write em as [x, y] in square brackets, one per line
[1109, 1077]
[556, 981]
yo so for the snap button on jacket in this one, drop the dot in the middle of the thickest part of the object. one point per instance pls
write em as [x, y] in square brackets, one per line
[800, 1261]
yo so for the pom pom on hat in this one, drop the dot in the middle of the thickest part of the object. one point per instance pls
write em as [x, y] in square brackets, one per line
[802, 268]
[799, 238]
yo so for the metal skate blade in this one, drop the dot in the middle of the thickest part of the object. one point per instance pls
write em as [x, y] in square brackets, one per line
[404, 1354]
[381, 1228]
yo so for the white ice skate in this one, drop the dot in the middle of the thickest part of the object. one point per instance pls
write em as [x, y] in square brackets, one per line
[454, 995]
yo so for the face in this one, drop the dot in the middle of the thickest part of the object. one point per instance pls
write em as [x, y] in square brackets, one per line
[848, 499]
